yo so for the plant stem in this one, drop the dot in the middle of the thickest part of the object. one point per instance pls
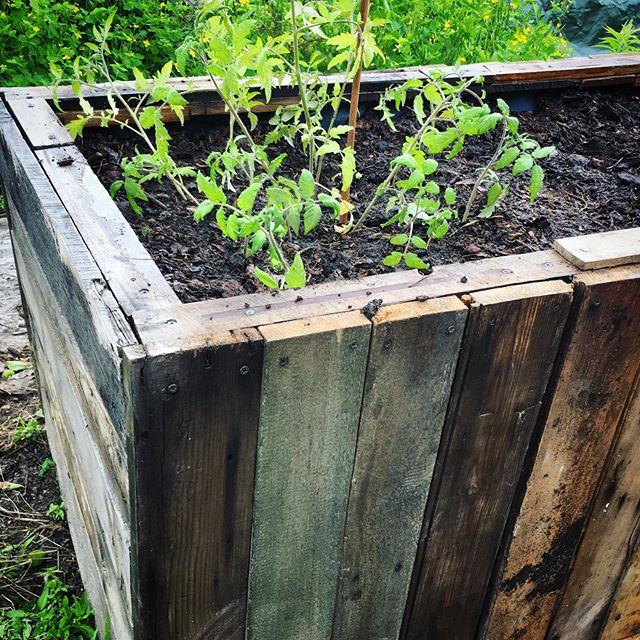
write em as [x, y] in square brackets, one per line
[483, 173]
[355, 92]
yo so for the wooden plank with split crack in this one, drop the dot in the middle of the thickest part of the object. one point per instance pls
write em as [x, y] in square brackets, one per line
[311, 397]
[133, 276]
[39, 123]
[599, 250]
[609, 538]
[509, 347]
[412, 360]
[194, 422]
[187, 324]
[595, 375]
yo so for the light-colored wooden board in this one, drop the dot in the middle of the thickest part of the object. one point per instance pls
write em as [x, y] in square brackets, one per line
[312, 387]
[510, 344]
[95, 320]
[609, 538]
[606, 65]
[188, 325]
[599, 250]
[593, 380]
[195, 424]
[39, 123]
[127, 267]
[623, 620]
[412, 360]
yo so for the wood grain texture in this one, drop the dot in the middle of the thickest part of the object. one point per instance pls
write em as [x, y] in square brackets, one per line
[184, 326]
[509, 347]
[598, 250]
[609, 538]
[311, 397]
[127, 267]
[412, 360]
[39, 123]
[596, 372]
[195, 421]
[623, 620]
[97, 324]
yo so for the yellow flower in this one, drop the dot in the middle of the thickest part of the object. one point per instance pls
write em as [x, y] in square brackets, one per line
[520, 37]
[486, 17]
[76, 9]
[205, 38]
[192, 53]
[447, 24]
[514, 5]
[462, 59]
[163, 5]
[146, 43]
[78, 36]
[66, 56]
[129, 39]
[243, 1]
[36, 29]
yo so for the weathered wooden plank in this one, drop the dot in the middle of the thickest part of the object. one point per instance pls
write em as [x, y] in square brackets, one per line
[412, 360]
[608, 540]
[96, 322]
[597, 370]
[605, 65]
[311, 397]
[39, 123]
[195, 421]
[185, 325]
[623, 620]
[509, 346]
[598, 250]
[128, 268]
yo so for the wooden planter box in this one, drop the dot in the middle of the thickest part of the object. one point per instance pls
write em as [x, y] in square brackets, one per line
[278, 466]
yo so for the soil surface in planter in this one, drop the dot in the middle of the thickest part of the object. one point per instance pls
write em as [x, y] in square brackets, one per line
[592, 184]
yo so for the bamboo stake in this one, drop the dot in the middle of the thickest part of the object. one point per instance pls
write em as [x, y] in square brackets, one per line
[355, 94]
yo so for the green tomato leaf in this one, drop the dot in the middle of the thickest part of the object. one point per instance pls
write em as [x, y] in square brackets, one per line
[543, 152]
[392, 259]
[307, 184]
[265, 278]
[414, 261]
[312, 215]
[295, 277]
[400, 239]
[405, 160]
[248, 196]
[535, 182]
[418, 242]
[449, 196]
[522, 164]
[507, 157]
[203, 210]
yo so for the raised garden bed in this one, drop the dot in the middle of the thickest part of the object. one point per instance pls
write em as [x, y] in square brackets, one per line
[458, 461]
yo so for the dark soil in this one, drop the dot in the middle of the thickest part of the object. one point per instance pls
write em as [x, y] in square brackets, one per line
[592, 184]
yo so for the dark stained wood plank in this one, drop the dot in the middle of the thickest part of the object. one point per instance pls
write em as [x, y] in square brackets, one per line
[185, 325]
[412, 360]
[597, 370]
[623, 620]
[311, 397]
[194, 420]
[96, 322]
[127, 267]
[39, 123]
[598, 250]
[608, 541]
[509, 346]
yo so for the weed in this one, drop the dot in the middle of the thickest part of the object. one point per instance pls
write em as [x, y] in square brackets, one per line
[627, 40]
[56, 511]
[30, 428]
[47, 465]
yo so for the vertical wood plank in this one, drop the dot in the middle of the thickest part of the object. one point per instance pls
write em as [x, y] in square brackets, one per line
[608, 541]
[195, 429]
[598, 368]
[412, 360]
[311, 398]
[509, 347]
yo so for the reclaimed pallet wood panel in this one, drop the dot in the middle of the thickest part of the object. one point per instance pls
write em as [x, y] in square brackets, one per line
[609, 538]
[598, 250]
[195, 422]
[180, 326]
[39, 123]
[312, 386]
[412, 360]
[509, 346]
[597, 371]
[96, 321]
[623, 620]
[127, 267]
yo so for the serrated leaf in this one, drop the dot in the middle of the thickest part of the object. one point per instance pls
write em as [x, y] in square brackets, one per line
[449, 195]
[405, 160]
[340, 130]
[248, 196]
[203, 210]
[307, 184]
[535, 182]
[414, 261]
[392, 259]
[507, 157]
[265, 278]
[348, 168]
[399, 240]
[295, 277]
[418, 107]
[543, 152]
[312, 215]
[522, 164]
[210, 189]
[148, 117]
[429, 166]
[503, 106]
[329, 147]
[418, 242]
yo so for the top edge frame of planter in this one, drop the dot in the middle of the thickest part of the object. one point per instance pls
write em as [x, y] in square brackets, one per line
[161, 322]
